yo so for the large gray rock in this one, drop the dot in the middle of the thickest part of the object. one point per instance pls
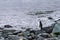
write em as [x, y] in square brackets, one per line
[57, 27]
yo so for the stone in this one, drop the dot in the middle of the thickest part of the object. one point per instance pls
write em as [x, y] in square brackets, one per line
[56, 29]
[7, 26]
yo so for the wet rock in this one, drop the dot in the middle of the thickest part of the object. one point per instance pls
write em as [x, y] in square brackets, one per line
[56, 29]
[13, 37]
[48, 29]
[39, 31]
[17, 32]
[59, 37]
[7, 26]
[53, 38]
[22, 38]
[40, 12]
[50, 18]
[28, 29]
[23, 28]
[1, 38]
[40, 38]
[44, 35]
[8, 31]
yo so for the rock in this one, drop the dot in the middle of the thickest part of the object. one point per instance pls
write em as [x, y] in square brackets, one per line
[23, 28]
[44, 35]
[22, 38]
[8, 31]
[17, 32]
[56, 29]
[50, 18]
[48, 29]
[40, 38]
[7, 26]
[13, 37]
[53, 38]
[28, 29]
[1, 38]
